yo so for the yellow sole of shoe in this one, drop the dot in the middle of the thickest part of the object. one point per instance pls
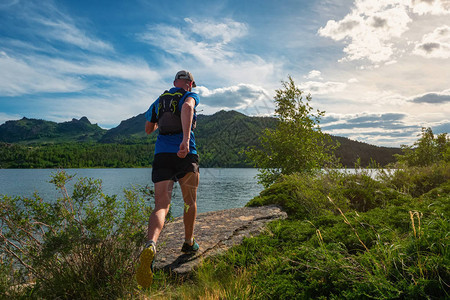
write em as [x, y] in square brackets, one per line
[144, 274]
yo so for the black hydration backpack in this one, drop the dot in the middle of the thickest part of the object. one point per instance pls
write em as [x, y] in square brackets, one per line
[169, 116]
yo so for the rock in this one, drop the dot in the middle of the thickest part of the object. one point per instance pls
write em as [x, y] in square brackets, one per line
[215, 232]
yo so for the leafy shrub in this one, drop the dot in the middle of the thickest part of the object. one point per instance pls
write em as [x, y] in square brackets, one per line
[419, 180]
[302, 196]
[4, 277]
[365, 193]
[80, 246]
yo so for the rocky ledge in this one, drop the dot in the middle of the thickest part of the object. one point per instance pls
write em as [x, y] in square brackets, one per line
[215, 232]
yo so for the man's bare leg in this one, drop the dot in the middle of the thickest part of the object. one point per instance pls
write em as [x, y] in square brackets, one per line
[189, 186]
[163, 194]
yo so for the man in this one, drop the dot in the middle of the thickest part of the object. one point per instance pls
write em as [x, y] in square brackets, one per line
[175, 160]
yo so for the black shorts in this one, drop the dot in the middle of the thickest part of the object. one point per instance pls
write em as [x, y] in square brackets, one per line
[168, 166]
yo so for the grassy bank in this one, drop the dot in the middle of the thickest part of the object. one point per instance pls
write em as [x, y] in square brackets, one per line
[347, 237]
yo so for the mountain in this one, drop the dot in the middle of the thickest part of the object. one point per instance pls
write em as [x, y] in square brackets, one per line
[127, 130]
[226, 133]
[350, 151]
[220, 137]
[41, 131]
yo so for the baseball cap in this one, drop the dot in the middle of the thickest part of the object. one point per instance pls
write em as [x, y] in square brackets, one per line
[183, 74]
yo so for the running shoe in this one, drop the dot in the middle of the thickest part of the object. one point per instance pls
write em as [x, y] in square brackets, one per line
[190, 248]
[144, 273]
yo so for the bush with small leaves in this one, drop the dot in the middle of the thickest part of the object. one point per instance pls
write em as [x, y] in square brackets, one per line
[80, 246]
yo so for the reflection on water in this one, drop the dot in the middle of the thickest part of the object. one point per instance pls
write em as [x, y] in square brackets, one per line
[219, 188]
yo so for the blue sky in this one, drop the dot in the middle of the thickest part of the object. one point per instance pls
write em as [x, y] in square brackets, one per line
[380, 69]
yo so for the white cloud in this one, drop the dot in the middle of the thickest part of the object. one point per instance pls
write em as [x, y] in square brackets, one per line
[387, 129]
[213, 57]
[314, 74]
[43, 19]
[209, 48]
[65, 31]
[391, 62]
[224, 32]
[375, 30]
[435, 44]
[435, 7]
[433, 98]
[369, 29]
[38, 74]
[175, 42]
[137, 71]
[233, 97]
[19, 77]
[410, 77]
[322, 88]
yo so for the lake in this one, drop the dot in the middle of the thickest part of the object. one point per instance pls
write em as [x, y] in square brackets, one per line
[220, 188]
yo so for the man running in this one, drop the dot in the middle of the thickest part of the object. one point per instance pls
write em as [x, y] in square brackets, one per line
[175, 160]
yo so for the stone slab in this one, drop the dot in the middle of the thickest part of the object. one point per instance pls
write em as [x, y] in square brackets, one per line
[215, 232]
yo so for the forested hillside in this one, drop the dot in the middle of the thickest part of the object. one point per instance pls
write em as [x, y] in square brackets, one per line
[41, 131]
[221, 139]
[350, 151]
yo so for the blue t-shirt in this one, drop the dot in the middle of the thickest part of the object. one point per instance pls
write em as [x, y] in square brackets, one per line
[171, 143]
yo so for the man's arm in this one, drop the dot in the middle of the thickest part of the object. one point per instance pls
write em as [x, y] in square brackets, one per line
[187, 113]
[150, 127]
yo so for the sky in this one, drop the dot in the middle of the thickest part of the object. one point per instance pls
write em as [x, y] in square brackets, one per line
[380, 69]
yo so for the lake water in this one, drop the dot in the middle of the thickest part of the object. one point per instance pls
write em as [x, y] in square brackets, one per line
[220, 188]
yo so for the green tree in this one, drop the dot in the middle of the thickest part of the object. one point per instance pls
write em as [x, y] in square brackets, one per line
[428, 149]
[297, 144]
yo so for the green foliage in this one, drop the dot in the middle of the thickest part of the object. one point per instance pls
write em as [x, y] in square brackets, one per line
[81, 246]
[76, 155]
[365, 193]
[396, 252]
[419, 180]
[302, 196]
[297, 144]
[428, 150]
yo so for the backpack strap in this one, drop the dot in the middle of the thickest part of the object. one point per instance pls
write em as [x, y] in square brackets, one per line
[167, 103]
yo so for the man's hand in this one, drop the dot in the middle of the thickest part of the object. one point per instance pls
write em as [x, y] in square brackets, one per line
[184, 149]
